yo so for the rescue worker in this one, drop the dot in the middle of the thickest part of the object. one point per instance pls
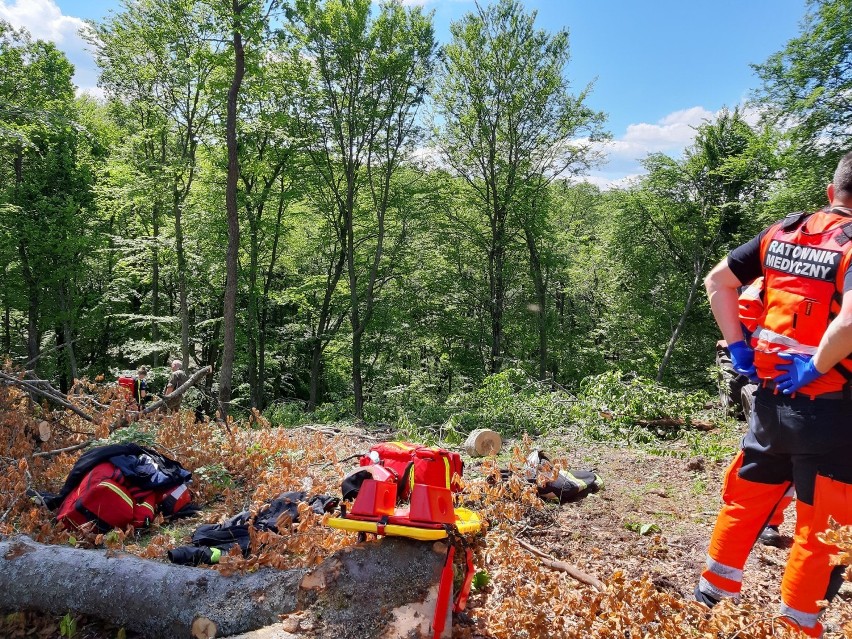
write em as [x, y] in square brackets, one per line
[177, 379]
[799, 434]
[751, 307]
[140, 387]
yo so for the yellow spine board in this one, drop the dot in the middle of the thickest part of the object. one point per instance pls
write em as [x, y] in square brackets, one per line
[467, 523]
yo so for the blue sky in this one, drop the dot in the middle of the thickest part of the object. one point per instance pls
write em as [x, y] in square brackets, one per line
[659, 67]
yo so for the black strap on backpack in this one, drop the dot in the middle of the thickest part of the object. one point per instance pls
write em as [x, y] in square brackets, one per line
[845, 234]
[794, 221]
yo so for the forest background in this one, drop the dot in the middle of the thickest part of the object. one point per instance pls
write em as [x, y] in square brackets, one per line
[343, 217]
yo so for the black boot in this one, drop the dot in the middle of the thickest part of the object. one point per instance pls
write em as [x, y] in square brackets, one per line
[704, 598]
[770, 536]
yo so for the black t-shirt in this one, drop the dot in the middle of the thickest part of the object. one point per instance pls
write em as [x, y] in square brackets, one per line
[746, 265]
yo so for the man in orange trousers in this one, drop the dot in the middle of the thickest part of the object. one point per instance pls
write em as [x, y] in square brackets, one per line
[800, 434]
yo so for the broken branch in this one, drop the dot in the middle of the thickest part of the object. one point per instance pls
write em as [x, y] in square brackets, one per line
[561, 566]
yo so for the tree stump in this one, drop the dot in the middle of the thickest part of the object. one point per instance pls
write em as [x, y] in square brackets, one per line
[483, 442]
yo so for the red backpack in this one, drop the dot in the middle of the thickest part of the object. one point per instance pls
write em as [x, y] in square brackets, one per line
[106, 498]
[128, 384]
[416, 464]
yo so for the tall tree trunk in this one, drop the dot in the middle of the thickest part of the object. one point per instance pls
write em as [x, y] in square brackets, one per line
[105, 340]
[7, 324]
[181, 268]
[264, 307]
[32, 308]
[29, 278]
[67, 333]
[316, 369]
[541, 301]
[230, 302]
[61, 359]
[251, 327]
[696, 280]
[497, 303]
[324, 328]
[155, 279]
[355, 315]
[212, 350]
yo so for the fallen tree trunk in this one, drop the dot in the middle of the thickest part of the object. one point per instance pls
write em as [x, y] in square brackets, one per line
[152, 598]
[43, 388]
[50, 393]
[372, 590]
[180, 390]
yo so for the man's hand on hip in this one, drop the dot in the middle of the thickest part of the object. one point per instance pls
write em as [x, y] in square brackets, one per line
[800, 372]
[742, 360]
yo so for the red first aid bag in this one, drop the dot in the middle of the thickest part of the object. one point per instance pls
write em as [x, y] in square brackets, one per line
[416, 464]
[128, 384]
[102, 498]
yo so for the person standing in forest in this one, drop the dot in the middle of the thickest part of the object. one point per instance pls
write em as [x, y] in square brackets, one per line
[178, 378]
[140, 387]
[799, 434]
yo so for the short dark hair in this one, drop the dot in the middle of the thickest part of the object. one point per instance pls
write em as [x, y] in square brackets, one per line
[843, 176]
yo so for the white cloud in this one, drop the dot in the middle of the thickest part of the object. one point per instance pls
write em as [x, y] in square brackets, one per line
[45, 21]
[42, 18]
[607, 181]
[672, 133]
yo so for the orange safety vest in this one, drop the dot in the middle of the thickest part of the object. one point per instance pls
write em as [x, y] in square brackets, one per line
[804, 260]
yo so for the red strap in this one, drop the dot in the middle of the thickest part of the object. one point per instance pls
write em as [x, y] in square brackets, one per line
[464, 593]
[445, 590]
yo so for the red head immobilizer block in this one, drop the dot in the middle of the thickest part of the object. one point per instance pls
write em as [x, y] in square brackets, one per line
[375, 498]
[433, 504]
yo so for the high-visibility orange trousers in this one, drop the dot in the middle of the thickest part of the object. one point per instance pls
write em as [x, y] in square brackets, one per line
[747, 510]
[790, 442]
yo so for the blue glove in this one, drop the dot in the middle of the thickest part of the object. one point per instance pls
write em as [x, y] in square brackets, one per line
[799, 372]
[742, 359]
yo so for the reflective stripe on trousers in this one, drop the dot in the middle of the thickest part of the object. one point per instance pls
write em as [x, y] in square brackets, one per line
[806, 622]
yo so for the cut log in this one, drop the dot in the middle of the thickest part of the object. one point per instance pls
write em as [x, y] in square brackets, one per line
[483, 442]
[374, 590]
[44, 431]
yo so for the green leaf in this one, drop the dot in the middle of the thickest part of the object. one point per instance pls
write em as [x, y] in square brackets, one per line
[68, 626]
[480, 579]
[642, 529]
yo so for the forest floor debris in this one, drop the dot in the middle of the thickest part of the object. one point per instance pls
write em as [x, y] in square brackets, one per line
[644, 535]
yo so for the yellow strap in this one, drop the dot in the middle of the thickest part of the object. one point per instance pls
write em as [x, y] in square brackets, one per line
[118, 491]
[447, 465]
[146, 505]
